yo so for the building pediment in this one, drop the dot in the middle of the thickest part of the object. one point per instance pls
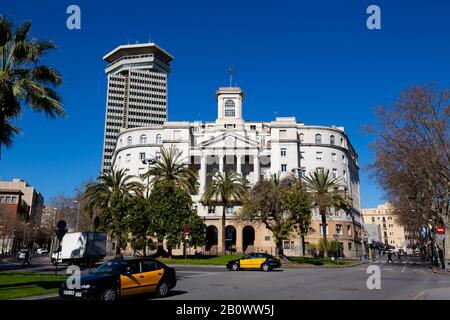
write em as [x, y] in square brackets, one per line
[229, 140]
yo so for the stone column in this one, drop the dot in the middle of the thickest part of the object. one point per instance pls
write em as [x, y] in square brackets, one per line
[221, 158]
[239, 164]
[256, 169]
[202, 174]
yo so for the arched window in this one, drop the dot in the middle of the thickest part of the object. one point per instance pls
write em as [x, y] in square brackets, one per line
[302, 137]
[143, 139]
[129, 141]
[229, 108]
[318, 138]
[158, 139]
[332, 140]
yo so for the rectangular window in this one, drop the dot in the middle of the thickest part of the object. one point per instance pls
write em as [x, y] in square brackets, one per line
[333, 157]
[229, 113]
[211, 210]
[267, 238]
[334, 173]
[283, 167]
[142, 156]
[252, 127]
[302, 155]
[373, 219]
[318, 155]
[141, 172]
[283, 152]
[344, 174]
[128, 157]
[344, 159]
[349, 246]
[321, 229]
[14, 199]
[349, 230]
[339, 229]
[283, 134]
[2, 199]
[229, 210]
[158, 155]
[8, 199]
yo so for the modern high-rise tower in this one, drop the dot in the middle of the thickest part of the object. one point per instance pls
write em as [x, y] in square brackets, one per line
[137, 91]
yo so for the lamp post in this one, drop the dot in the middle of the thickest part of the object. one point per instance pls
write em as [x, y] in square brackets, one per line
[78, 213]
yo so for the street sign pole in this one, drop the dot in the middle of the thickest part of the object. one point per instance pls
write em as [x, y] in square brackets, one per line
[60, 232]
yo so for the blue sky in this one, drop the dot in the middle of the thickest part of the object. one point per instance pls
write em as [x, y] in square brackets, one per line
[314, 60]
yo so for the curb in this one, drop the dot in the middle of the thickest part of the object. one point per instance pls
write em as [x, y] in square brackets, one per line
[325, 266]
[196, 265]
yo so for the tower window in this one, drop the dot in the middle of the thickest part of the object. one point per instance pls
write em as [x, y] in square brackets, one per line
[229, 108]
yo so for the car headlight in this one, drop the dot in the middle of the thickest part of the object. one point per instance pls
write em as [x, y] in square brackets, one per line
[87, 286]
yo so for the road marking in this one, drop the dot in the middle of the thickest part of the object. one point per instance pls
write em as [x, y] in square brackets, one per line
[404, 267]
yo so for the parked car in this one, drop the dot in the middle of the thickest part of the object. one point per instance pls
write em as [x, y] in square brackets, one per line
[260, 261]
[121, 278]
[42, 251]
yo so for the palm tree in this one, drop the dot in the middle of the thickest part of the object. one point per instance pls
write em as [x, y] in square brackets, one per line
[225, 188]
[326, 192]
[23, 80]
[170, 167]
[109, 187]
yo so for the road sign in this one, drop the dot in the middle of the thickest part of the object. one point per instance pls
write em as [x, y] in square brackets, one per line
[186, 236]
[61, 231]
[440, 230]
[186, 229]
[441, 237]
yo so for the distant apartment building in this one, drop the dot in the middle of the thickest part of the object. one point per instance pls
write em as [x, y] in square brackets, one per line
[392, 233]
[136, 93]
[29, 197]
[20, 214]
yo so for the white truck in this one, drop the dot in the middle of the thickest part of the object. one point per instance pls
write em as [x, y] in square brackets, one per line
[81, 248]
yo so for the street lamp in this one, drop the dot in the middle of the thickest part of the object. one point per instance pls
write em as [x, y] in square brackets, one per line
[78, 214]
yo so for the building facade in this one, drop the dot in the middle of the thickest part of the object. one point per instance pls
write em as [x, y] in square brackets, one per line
[136, 93]
[256, 150]
[392, 234]
[33, 199]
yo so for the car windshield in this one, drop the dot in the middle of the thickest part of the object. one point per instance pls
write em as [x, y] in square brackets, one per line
[110, 267]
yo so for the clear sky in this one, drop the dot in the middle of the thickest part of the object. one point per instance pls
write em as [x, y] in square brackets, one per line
[314, 60]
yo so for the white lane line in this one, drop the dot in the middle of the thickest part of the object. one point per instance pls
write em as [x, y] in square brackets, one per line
[404, 267]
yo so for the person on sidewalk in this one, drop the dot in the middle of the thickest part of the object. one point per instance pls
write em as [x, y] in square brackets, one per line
[26, 259]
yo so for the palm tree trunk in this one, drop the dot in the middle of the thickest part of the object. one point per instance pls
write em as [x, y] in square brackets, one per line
[118, 251]
[223, 228]
[324, 232]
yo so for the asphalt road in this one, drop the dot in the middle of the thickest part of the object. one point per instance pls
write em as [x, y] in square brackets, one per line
[407, 279]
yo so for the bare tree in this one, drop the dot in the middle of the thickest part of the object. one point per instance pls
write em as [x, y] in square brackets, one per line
[412, 156]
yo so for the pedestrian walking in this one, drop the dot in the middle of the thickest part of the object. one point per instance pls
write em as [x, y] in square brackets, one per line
[26, 259]
[390, 257]
[399, 255]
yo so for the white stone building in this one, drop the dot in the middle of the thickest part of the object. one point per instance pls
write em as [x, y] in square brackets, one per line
[257, 150]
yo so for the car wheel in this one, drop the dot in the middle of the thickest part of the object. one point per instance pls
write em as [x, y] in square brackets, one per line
[108, 294]
[235, 267]
[265, 267]
[162, 289]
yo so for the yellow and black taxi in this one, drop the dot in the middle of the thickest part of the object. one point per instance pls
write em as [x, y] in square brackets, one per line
[119, 278]
[260, 261]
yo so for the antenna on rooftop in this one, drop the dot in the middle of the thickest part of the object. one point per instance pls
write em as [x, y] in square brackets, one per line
[231, 76]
